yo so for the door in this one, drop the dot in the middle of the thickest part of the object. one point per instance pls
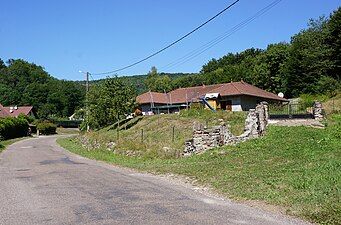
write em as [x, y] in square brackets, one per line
[226, 105]
[229, 105]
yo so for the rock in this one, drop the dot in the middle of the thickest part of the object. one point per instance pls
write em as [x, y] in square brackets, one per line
[207, 138]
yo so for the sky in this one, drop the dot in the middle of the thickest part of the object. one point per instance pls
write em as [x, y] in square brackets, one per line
[66, 36]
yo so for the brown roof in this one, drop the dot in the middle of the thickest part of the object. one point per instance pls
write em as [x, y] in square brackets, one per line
[183, 95]
[155, 97]
[20, 110]
[3, 112]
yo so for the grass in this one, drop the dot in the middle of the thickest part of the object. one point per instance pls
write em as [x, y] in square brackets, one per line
[4, 144]
[61, 130]
[333, 105]
[162, 136]
[296, 168]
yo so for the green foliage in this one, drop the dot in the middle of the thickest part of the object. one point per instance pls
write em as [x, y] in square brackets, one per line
[328, 85]
[309, 64]
[308, 100]
[108, 100]
[309, 59]
[13, 127]
[334, 42]
[30, 119]
[46, 127]
[297, 168]
[23, 83]
[157, 83]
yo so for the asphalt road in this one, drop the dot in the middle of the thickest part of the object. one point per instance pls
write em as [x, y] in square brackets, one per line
[41, 183]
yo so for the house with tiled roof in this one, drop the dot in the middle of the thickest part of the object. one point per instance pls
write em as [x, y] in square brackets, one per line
[3, 112]
[234, 96]
[15, 111]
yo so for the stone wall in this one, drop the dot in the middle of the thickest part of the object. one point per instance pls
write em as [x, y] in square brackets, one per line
[207, 138]
[318, 111]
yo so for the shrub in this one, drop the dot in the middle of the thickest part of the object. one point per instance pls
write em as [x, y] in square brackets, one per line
[46, 128]
[307, 100]
[30, 119]
[13, 127]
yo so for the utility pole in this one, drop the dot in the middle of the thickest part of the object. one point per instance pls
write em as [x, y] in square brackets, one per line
[87, 102]
[87, 74]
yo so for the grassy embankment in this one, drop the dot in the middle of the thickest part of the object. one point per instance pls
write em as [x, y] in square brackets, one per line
[296, 168]
[4, 144]
[162, 136]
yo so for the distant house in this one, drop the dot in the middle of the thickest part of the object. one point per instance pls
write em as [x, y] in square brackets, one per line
[3, 112]
[15, 111]
[234, 96]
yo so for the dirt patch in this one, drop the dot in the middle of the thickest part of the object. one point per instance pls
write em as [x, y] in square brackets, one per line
[297, 122]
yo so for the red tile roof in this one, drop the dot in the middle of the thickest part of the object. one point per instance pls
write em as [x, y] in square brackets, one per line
[152, 97]
[183, 95]
[20, 110]
[3, 112]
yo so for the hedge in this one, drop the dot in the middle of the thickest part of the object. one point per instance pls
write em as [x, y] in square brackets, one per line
[67, 123]
[13, 127]
[46, 128]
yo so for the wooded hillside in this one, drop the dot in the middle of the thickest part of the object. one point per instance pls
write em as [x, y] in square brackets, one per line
[23, 83]
[309, 64]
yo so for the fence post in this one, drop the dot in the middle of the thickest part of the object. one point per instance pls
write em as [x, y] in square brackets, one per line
[141, 135]
[118, 128]
[289, 109]
[118, 134]
[173, 135]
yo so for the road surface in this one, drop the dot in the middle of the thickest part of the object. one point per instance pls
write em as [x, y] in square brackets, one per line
[41, 183]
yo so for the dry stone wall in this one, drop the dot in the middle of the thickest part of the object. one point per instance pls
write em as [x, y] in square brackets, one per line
[207, 138]
[318, 110]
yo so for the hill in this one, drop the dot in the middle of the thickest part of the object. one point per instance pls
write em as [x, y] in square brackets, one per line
[138, 81]
[23, 83]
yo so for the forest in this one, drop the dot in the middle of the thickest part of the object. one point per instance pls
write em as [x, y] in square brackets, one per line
[309, 64]
[23, 83]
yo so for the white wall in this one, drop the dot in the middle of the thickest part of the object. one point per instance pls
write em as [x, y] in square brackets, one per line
[249, 102]
[236, 104]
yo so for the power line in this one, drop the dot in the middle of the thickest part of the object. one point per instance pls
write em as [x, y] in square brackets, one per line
[171, 44]
[220, 38]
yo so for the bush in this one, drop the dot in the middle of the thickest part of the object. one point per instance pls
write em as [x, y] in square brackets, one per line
[13, 127]
[46, 128]
[307, 100]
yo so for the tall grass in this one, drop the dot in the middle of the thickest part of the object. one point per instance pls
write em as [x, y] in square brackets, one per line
[163, 136]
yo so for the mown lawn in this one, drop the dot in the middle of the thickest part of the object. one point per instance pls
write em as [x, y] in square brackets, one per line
[296, 168]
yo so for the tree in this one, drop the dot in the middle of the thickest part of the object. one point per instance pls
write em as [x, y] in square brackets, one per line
[334, 42]
[108, 100]
[309, 59]
[157, 83]
[268, 71]
[23, 83]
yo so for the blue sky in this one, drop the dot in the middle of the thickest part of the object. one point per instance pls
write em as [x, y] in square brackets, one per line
[97, 36]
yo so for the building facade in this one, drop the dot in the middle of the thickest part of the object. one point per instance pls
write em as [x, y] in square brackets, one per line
[234, 96]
